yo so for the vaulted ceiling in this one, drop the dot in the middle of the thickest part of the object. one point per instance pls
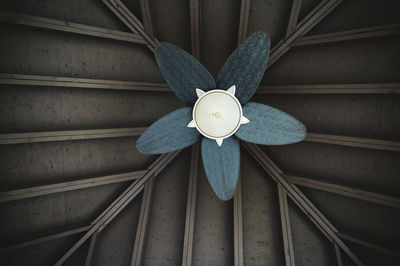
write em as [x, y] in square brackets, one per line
[79, 84]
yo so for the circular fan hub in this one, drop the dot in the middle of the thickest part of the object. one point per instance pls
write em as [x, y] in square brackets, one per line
[217, 114]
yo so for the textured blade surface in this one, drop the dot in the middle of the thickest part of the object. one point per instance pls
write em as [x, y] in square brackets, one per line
[246, 66]
[270, 126]
[183, 72]
[221, 165]
[169, 133]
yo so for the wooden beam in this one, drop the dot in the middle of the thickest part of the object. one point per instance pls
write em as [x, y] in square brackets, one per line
[375, 144]
[366, 88]
[369, 245]
[52, 81]
[68, 186]
[32, 137]
[238, 224]
[140, 239]
[120, 203]
[131, 21]
[299, 199]
[66, 26]
[195, 18]
[370, 32]
[191, 206]
[307, 24]
[92, 245]
[44, 239]
[294, 16]
[286, 227]
[345, 191]
[244, 20]
[146, 14]
[338, 255]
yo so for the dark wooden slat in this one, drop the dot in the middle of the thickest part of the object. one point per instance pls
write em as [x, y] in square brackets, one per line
[52, 81]
[376, 144]
[130, 20]
[146, 14]
[120, 203]
[68, 186]
[307, 24]
[89, 255]
[244, 20]
[371, 32]
[345, 191]
[369, 245]
[299, 199]
[367, 88]
[138, 248]
[338, 255]
[195, 18]
[286, 228]
[191, 206]
[66, 26]
[19, 138]
[238, 224]
[294, 16]
[44, 239]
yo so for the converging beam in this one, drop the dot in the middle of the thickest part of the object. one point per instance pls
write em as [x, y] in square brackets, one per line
[137, 253]
[238, 224]
[286, 228]
[68, 186]
[338, 255]
[52, 81]
[366, 88]
[92, 245]
[244, 20]
[120, 203]
[20, 138]
[146, 14]
[66, 26]
[195, 18]
[307, 24]
[300, 199]
[371, 32]
[191, 206]
[294, 16]
[345, 191]
[375, 144]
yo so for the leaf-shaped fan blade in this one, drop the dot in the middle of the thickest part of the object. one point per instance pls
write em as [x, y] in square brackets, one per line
[221, 165]
[270, 126]
[169, 133]
[183, 72]
[246, 66]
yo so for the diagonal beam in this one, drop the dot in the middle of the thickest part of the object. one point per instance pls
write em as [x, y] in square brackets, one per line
[44, 239]
[244, 20]
[142, 227]
[286, 228]
[294, 16]
[369, 245]
[364, 88]
[146, 14]
[238, 224]
[299, 199]
[191, 206]
[52, 81]
[195, 18]
[92, 245]
[32, 137]
[120, 203]
[66, 26]
[131, 21]
[338, 255]
[370, 32]
[68, 186]
[307, 24]
[344, 190]
[376, 144]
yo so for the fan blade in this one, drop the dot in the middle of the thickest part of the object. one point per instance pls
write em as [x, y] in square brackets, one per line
[246, 66]
[270, 126]
[221, 165]
[169, 133]
[183, 73]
